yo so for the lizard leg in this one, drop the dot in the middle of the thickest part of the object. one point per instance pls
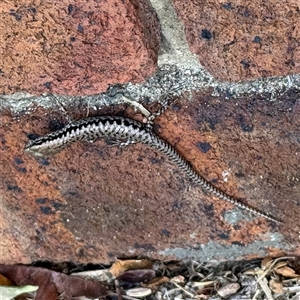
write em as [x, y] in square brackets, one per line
[165, 104]
[116, 93]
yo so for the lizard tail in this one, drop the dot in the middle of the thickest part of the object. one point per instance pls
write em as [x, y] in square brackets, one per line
[175, 157]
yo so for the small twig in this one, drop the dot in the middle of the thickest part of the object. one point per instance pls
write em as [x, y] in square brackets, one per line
[187, 292]
[271, 266]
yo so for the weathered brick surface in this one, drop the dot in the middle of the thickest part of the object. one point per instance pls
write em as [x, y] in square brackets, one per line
[93, 202]
[75, 48]
[239, 40]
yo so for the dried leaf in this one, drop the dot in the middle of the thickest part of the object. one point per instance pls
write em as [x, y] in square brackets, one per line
[178, 279]
[52, 284]
[286, 272]
[139, 292]
[120, 266]
[136, 276]
[280, 264]
[266, 262]
[229, 289]
[99, 275]
[272, 266]
[202, 284]
[154, 283]
[275, 286]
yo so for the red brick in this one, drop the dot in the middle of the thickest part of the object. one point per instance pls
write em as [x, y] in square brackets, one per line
[75, 48]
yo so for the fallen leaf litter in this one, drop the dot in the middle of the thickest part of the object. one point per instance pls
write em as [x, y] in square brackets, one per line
[258, 279]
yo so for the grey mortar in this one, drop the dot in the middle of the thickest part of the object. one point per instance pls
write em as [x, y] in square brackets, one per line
[213, 250]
